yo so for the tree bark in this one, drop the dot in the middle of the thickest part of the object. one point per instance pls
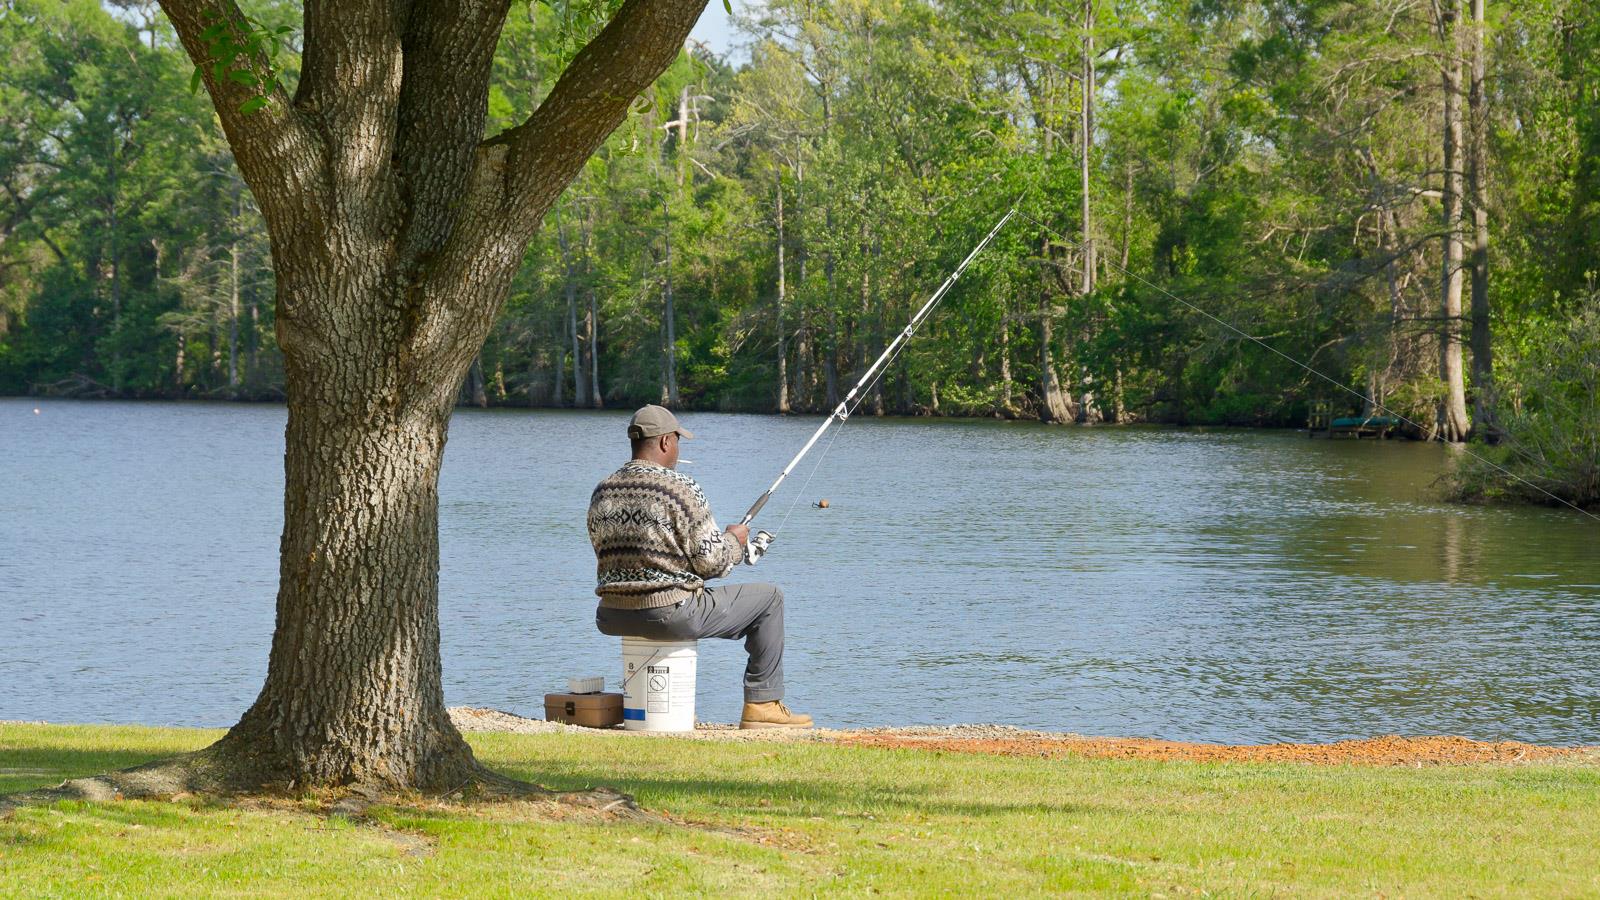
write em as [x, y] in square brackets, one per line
[1452, 413]
[396, 231]
[1053, 406]
[1477, 174]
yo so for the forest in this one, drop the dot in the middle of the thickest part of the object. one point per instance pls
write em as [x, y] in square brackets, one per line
[1228, 212]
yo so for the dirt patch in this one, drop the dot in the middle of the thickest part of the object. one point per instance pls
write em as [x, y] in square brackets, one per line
[1379, 751]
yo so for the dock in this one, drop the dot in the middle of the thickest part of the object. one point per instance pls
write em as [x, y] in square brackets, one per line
[1321, 421]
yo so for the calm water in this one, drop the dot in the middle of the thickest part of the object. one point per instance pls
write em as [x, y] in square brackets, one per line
[1226, 586]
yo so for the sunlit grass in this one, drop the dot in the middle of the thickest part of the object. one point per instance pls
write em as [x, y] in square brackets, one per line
[804, 818]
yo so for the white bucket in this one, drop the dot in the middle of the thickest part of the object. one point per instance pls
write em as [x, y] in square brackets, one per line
[658, 684]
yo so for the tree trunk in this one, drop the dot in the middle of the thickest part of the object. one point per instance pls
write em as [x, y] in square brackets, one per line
[1088, 413]
[1086, 144]
[1478, 174]
[682, 155]
[353, 691]
[479, 394]
[592, 327]
[594, 354]
[805, 372]
[396, 232]
[669, 324]
[580, 391]
[113, 251]
[1127, 217]
[1452, 414]
[1119, 412]
[233, 308]
[1005, 366]
[831, 363]
[783, 350]
[1053, 406]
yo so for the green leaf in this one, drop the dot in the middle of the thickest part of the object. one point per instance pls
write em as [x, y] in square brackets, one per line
[728, 5]
[194, 81]
[244, 77]
[252, 105]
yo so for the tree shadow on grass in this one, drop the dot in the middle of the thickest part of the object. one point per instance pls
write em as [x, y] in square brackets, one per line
[726, 797]
[34, 767]
[797, 798]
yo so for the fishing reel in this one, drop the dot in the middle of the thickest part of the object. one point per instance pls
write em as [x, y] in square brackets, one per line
[756, 547]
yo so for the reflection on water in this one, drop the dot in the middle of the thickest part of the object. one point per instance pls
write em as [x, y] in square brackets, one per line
[1219, 585]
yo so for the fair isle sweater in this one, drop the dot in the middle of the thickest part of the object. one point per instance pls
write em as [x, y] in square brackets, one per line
[655, 542]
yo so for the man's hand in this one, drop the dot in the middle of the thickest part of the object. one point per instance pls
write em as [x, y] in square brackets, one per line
[741, 533]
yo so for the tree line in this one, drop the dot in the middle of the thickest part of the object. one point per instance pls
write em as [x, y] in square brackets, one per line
[1404, 194]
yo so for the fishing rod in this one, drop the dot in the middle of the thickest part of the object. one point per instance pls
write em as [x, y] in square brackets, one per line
[758, 544]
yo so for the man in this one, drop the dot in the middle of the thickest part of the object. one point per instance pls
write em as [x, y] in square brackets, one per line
[656, 545]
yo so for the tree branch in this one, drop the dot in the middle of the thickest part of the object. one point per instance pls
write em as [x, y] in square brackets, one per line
[449, 50]
[591, 99]
[270, 144]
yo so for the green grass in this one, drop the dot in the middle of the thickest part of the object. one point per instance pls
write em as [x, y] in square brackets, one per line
[824, 819]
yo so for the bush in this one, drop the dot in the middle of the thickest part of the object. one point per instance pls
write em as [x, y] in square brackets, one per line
[1548, 418]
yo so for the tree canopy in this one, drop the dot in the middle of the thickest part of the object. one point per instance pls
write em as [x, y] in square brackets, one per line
[1279, 164]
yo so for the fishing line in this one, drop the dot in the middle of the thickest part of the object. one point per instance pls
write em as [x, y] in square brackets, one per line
[1329, 379]
[800, 495]
[843, 411]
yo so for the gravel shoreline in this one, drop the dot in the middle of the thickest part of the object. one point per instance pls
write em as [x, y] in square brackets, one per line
[476, 718]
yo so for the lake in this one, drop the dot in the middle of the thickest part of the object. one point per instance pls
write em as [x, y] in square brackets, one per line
[1216, 585]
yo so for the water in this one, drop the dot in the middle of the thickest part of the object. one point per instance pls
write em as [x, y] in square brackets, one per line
[1220, 586]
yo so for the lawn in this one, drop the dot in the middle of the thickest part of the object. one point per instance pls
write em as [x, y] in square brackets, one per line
[804, 818]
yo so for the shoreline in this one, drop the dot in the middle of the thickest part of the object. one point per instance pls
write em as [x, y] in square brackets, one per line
[1414, 751]
[1008, 740]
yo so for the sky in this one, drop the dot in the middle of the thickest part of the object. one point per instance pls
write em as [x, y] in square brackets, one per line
[716, 30]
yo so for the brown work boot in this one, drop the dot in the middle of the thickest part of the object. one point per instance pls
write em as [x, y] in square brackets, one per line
[772, 714]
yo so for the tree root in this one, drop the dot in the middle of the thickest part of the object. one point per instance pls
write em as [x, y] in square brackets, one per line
[213, 774]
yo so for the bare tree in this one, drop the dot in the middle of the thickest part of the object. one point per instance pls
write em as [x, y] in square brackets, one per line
[1452, 414]
[1478, 190]
[1088, 411]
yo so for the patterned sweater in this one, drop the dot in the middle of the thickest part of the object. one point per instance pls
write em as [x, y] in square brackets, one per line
[655, 542]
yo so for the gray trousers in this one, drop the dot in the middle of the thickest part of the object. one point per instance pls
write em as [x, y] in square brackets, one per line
[750, 611]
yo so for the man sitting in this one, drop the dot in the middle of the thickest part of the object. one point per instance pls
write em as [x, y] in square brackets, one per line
[656, 545]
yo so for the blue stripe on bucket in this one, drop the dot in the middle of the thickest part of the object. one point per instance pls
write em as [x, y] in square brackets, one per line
[634, 714]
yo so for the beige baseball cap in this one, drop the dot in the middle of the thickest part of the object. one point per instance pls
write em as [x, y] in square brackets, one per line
[653, 420]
